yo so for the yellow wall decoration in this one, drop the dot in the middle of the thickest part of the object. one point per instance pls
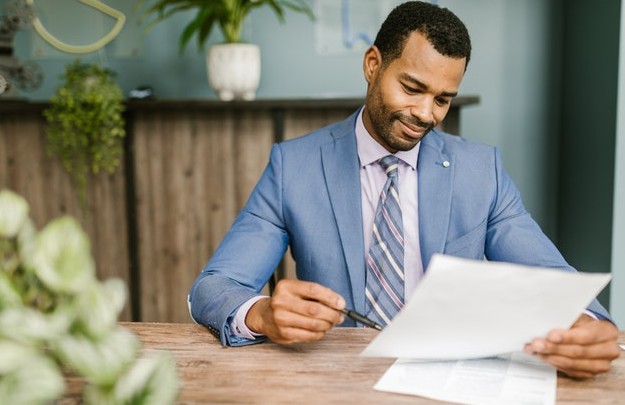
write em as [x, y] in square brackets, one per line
[55, 42]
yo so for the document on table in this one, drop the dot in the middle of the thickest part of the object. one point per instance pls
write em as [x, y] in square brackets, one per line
[465, 309]
[516, 379]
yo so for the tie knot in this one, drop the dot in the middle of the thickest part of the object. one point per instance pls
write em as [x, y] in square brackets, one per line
[390, 164]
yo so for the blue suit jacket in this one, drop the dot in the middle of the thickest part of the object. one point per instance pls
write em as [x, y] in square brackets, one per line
[309, 198]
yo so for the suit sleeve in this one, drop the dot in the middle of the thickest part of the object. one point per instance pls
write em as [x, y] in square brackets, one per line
[245, 259]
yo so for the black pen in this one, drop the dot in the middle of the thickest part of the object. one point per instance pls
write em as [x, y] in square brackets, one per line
[361, 318]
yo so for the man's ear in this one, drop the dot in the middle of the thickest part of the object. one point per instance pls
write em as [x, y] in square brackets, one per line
[372, 63]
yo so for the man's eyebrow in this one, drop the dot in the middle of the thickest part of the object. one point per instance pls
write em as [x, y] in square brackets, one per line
[424, 86]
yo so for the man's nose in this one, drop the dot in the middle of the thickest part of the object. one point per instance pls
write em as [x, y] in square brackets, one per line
[423, 109]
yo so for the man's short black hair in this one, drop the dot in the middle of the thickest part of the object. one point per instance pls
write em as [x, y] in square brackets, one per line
[442, 28]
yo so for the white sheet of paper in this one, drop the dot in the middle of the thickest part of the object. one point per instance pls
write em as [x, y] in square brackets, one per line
[469, 309]
[516, 379]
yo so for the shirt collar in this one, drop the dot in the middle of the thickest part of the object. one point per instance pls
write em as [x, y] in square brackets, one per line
[370, 151]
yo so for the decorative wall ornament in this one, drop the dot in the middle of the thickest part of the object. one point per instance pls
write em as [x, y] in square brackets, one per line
[28, 75]
[62, 46]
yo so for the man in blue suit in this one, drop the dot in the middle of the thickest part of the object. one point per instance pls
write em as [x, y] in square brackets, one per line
[319, 194]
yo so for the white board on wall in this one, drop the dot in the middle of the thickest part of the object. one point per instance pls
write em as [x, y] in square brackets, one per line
[348, 26]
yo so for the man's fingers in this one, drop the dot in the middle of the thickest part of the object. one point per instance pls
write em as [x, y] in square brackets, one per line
[310, 291]
[309, 313]
[578, 368]
[605, 350]
[583, 351]
[293, 319]
[585, 334]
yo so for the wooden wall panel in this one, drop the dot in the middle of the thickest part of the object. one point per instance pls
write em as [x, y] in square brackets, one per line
[194, 171]
[301, 121]
[26, 168]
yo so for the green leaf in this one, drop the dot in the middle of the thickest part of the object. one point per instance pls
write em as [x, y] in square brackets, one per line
[98, 306]
[27, 377]
[27, 325]
[13, 213]
[62, 257]
[100, 361]
[9, 294]
[151, 381]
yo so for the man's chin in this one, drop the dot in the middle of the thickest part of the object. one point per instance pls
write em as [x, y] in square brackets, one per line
[407, 145]
[409, 142]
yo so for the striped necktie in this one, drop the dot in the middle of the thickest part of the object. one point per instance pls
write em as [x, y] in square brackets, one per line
[385, 262]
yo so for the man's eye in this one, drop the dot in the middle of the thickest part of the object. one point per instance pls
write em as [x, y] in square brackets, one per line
[410, 90]
[442, 101]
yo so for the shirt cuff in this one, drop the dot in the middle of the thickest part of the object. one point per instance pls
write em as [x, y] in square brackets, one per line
[238, 326]
[591, 314]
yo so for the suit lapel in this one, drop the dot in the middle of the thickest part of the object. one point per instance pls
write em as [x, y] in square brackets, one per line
[341, 170]
[435, 192]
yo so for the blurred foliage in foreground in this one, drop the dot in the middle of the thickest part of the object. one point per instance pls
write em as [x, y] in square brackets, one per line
[57, 319]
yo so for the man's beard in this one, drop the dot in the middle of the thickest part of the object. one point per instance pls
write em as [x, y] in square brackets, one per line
[382, 121]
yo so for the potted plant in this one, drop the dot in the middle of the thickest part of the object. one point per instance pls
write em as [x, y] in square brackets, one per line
[85, 124]
[233, 66]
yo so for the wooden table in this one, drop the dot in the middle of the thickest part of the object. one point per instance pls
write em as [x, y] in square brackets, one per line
[326, 372]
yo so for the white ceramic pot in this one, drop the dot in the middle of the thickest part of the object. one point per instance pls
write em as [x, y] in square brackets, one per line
[234, 70]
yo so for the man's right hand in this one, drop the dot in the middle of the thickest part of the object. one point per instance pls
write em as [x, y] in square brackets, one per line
[298, 311]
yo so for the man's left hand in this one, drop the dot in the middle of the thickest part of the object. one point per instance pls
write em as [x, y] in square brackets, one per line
[583, 351]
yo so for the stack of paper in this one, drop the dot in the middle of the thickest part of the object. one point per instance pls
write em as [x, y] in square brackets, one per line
[468, 309]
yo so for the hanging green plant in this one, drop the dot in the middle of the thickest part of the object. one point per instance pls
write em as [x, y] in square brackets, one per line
[85, 123]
